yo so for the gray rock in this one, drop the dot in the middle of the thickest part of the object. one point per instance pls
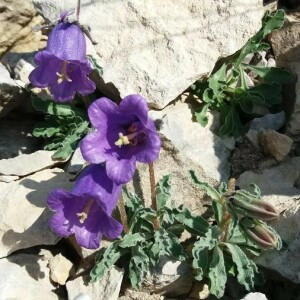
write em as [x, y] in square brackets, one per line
[275, 144]
[23, 213]
[77, 162]
[269, 121]
[278, 188]
[23, 69]
[255, 296]
[25, 164]
[26, 277]
[7, 178]
[197, 143]
[11, 94]
[158, 48]
[107, 288]
[170, 277]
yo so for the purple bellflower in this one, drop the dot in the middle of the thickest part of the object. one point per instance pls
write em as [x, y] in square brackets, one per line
[86, 210]
[124, 135]
[63, 66]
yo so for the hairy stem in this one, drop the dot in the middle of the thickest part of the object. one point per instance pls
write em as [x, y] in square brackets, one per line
[121, 206]
[153, 194]
[78, 10]
[226, 215]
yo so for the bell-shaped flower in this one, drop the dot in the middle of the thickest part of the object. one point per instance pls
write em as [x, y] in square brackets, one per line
[124, 135]
[86, 210]
[245, 204]
[261, 234]
[63, 67]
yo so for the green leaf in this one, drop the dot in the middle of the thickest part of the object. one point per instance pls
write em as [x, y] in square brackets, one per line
[246, 268]
[211, 191]
[95, 65]
[217, 273]
[53, 108]
[201, 116]
[162, 190]
[132, 203]
[45, 132]
[166, 244]
[142, 220]
[131, 240]
[269, 23]
[232, 123]
[200, 251]
[193, 224]
[110, 256]
[138, 266]
[208, 96]
[70, 142]
[217, 81]
[218, 211]
[272, 74]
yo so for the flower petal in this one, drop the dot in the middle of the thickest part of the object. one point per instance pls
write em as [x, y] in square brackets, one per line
[95, 184]
[66, 41]
[135, 104]
[100, 111]
[45, 73]
[150, 151]
[120, 171]
[95, 147]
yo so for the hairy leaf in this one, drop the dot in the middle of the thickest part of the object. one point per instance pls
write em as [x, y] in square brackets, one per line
[194, 224]
[200, 251]
[138, 266]
[217, 273]
[211, 191]
[246, 268]
[109, 258]
[163, 188]
[131, 240]
[166, 244]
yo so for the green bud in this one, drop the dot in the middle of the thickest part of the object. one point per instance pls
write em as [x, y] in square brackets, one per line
[260, 234]
[244, 204]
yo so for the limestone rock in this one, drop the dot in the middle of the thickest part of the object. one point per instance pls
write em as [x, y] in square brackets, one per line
[285, 41]
[76, 163]
[25, 164]
[11, 94]
[107, 288]
[255, 296]
[60, 269]
[199, 290]
[195, 142]
[7, 178]
[159, 48]
[26, 277]
[278, 186]
[170, 277]
[17, 19]
[23, 214]
[275, 144]
[138, 295]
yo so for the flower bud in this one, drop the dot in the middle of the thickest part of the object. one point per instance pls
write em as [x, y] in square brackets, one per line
[252, 207]
[261, 235]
